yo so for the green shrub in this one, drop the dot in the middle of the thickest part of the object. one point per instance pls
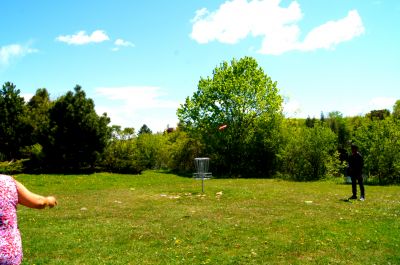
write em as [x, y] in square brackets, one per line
[151, 148]
[334, 167]
[122, 156]
[182, 152]
[12, 167]
[307, 154]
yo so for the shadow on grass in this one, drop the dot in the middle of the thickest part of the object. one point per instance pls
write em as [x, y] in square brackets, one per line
[176, 173]
[346, 200]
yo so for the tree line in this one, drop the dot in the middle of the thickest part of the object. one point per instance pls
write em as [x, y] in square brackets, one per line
[235, 117]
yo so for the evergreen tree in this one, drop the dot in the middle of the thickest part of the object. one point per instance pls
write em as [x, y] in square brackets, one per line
[144, 129]
[14, 129]
[322, 118]
[38, 115]
[310, 122]
[77, 135]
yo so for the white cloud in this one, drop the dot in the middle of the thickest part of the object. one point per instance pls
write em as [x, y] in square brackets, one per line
[348, 107]
[122, 43]
[258, 18]
[9, 52]
[134, 106]
[137, 96]
[278, 26]
[27, 96]
[363, 108]
[199, 13]
[381, 103]
[292, 108]
[334, 32]
[82, 38]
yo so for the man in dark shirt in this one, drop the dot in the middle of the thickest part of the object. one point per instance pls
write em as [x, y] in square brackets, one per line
[356, 163]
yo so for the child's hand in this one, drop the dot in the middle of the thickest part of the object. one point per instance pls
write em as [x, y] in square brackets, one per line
[51, 201]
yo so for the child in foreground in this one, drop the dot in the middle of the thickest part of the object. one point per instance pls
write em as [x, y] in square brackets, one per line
[13, 193]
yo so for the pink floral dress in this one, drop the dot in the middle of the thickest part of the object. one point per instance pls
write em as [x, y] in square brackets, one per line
[10, 238]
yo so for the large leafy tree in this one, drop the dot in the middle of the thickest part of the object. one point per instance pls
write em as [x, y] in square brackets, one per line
[77, 135]
[13, 126]
[242, 97]
[38, 115]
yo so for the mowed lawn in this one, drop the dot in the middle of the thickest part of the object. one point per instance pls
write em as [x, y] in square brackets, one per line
[158, 218]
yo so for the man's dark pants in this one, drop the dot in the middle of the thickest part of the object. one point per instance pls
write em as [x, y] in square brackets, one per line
[354, 180]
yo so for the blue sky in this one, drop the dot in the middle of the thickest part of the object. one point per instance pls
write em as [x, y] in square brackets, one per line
[139, 60]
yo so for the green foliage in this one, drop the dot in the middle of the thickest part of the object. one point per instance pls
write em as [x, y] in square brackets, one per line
[144, 129]
[310, 122]
[12, 167]
[150, 147]
[337, 124]
[334, 166]
[182, 151]
[67, 134]
[242, 97]
[309, 152]
[129, 154]
[322, 117]
[122, 156]
[379, 142]
[378, 114]
[35, 150]
[173, 151]
[396, 110]
[118, 134]
[36, 159]
[77, 135]
[38, 115]
[14, 129]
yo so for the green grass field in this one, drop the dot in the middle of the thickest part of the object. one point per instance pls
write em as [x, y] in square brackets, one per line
[157, 218]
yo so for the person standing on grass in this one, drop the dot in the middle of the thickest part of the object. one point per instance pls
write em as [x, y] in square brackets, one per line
[356, 164]
[13, 193]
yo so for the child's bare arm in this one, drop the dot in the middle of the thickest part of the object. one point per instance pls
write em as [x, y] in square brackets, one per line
[32, 200]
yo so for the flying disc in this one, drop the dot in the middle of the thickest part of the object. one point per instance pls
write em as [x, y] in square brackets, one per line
[222, 127]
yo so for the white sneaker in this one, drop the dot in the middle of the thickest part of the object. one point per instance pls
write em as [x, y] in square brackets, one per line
[362, 199]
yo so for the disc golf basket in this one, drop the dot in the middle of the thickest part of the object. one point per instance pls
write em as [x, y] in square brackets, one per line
[202, 164]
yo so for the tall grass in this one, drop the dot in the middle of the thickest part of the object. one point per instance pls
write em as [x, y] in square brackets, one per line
[157, 218]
